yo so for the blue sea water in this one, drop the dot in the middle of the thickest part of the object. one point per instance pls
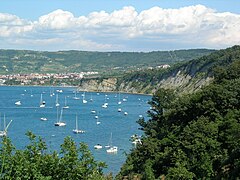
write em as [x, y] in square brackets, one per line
[27, 118]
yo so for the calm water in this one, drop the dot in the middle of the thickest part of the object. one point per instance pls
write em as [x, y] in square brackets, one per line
[27, 117]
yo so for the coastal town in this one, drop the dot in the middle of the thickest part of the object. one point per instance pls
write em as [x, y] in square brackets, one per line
[60, 79]
[45, 78]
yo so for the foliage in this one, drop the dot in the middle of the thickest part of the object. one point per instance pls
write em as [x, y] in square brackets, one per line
[23, 61]
[35, 162]
[211, 65]
[193, 136]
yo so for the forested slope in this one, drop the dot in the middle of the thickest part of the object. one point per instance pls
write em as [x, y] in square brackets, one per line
[182, 77]
[193, 136]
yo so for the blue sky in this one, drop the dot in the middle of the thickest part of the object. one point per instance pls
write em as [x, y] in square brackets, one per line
[30, 9]
[119, 25]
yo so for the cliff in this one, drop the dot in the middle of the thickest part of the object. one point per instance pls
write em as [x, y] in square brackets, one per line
[183, 78]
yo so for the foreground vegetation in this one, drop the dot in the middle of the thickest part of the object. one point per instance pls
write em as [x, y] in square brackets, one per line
[36, 162]
[192, 137]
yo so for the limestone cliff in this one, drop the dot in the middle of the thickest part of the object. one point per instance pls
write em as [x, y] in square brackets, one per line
[180, 81]
[183, 78]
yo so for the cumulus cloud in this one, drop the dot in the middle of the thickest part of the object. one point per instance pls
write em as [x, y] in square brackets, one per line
[11, 25]
[56, 20]
[124, 29]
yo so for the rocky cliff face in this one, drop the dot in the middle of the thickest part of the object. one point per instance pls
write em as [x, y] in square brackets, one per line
[183, 78]
[180, 81]
[104, 85]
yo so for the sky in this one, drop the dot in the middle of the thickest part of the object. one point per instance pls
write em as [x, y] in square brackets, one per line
[119, 25]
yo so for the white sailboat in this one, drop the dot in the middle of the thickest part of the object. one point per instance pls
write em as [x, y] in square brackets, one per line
[111, 148]
[18, 103]
[31, 93]
[91, 99]
[75, 96]
[43, 119]
[98, 122]
[66, 106]
[93, 111]
[4, 131]
[136, 139]
[119, 101]
[42, 103]
[59, 121]
[97, 119]
[105, 105]
[76, 131]
[57, 103]
[59, 90]
[51, 92]
[98, 146]
[84, 100]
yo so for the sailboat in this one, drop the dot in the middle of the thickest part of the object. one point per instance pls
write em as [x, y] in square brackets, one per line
[66, 106]
[119, 101]
[98, 146]
[109, 142]
[105, 105]
[31, 93]
[91, 99]
[84, 100]
[59, 121]
[43, 119]
[76, 131]
[136, 139]
[97, 122]
[42, 103]
[93, 111]
[18, 103]
[111, 148]
[75, 96]
[57, 103]
[4, 131]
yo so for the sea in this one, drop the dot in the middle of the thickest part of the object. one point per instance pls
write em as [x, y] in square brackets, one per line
[114, 127]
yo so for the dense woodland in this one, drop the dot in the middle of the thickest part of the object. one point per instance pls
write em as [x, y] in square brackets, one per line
[194, 136]
[36, 161]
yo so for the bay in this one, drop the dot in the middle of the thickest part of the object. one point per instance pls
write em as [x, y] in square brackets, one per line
[27, 117]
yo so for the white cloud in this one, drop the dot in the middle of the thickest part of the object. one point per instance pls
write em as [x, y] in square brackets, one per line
[124, 29]
[11, 25]
[56, 20]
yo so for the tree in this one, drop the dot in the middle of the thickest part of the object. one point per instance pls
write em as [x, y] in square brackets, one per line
[191, 137]
[35, 162]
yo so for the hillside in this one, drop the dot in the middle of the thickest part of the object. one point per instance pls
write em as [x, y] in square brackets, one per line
[26, 61]
[193, 136]
[183, 77]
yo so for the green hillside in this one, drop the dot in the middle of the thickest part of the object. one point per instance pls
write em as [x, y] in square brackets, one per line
[193, 136]
[25, 61]
[187, 73]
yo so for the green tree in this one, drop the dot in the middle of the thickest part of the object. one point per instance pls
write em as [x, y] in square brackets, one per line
[35, 162]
